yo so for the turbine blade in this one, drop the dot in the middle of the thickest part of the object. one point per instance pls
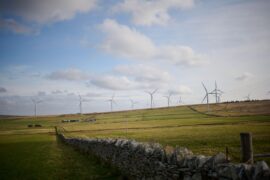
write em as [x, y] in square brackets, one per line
[204, 88]
[204, 98]
[154, 91]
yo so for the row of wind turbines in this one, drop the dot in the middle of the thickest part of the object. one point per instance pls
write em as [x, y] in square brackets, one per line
[216, 92]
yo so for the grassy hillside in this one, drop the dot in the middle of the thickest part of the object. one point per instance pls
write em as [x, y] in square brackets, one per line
[36, 149]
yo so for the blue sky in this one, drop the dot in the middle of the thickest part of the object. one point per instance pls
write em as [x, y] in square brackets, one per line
[54, 50]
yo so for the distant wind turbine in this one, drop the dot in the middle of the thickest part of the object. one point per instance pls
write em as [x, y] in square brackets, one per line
[247, 97]
[168, 99]
[152, 96]
[180, 100]
[132, 103]
[35, 101]
[206, 96]
[112, 102]
[217, 92]
[81, 102]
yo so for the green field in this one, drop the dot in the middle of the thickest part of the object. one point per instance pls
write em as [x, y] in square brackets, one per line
[41, 156]
[34, 152]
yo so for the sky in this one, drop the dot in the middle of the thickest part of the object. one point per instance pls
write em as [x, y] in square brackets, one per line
[55, 50]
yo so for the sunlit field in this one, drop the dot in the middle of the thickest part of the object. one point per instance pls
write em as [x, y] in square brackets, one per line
[193, 127]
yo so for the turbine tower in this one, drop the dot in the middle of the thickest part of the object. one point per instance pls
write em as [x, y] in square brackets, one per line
[132, 103]
[206, 97]
[81, 102]
[152, 96]
[180, 100]
[248, 97]
[35, 104]
[168, 98]
[112, 102]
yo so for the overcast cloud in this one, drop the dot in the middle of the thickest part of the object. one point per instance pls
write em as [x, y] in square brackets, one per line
[46, 11]
[68, 74]
[128, 43]
[147, 13]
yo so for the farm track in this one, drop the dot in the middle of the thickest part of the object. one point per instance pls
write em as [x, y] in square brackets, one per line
[160, 127]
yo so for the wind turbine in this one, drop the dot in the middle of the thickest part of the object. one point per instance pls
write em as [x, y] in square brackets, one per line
[168, 98]
[35, 103]
[206, 97]
[217, 92]
[132, 103]
[180, 100]
[81, 102]
[151, 96]
[112, 102]
[247, 97]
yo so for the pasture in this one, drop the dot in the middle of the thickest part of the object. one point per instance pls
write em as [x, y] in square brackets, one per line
[41, 156]
[35, 152]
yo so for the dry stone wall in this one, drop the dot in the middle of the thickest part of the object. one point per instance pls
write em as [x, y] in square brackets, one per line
[151, 161]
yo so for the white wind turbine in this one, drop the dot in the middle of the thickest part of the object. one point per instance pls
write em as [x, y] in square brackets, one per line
[247, 97]
[152, 96]
[35, 101]
[81, 100]
[168, 99]
[132, 103]
[217, 92]
[206, 97]
[180, 100]
[111, 102]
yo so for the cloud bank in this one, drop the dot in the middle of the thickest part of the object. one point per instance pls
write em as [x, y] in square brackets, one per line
[245, 76]
[151, 12]
[47, 11]
[15, 27]
[128, 43]
[2, 90]
[68, 74]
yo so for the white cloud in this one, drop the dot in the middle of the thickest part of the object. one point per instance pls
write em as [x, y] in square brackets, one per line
[41, 93]
[144, 73]
[68, 74]
[180, 89]
[245, 76]
[181, 55]
[133, 77]
[15, 27]
[151, 12]
[47, 11]
[125, 42]
[128, 43]
[113, 82]
[57, 92]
